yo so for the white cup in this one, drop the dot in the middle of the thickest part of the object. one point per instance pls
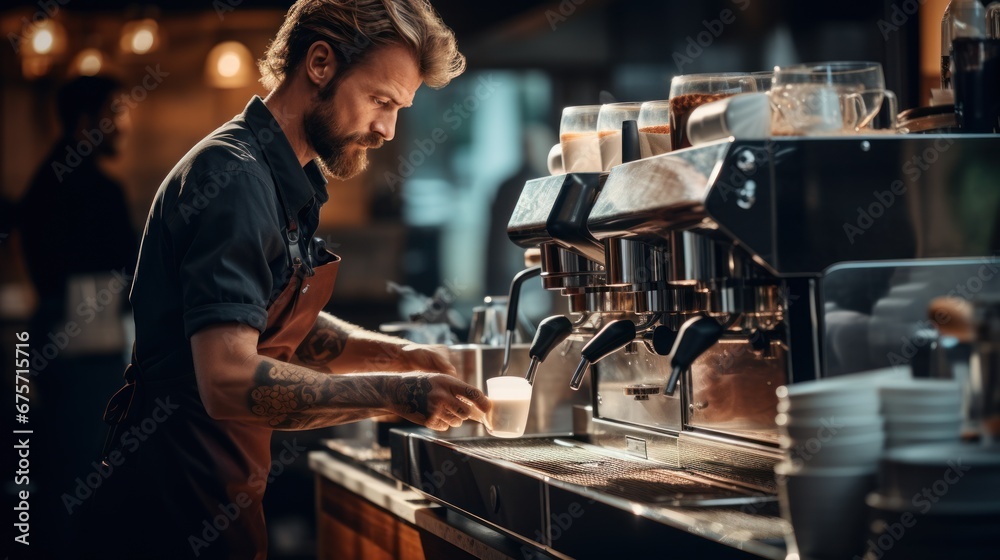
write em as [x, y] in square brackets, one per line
[511, 398]
[825, 507]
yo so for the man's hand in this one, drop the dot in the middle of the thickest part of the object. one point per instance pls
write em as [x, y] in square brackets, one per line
[438, 401]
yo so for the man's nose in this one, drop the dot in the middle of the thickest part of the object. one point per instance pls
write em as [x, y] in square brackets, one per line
[385, 125]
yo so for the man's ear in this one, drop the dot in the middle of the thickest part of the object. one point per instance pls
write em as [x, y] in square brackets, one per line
[320, 64]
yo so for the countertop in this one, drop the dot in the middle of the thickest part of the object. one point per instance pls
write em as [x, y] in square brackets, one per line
[365, 470]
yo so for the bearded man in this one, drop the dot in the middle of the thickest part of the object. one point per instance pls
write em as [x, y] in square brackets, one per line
[231, 340]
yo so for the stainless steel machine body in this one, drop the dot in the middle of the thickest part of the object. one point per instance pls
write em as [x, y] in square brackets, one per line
[823, 253]
[818, 256]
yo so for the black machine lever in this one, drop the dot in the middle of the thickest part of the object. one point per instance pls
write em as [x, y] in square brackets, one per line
[550, 333]
[613, 336]
[694, 337]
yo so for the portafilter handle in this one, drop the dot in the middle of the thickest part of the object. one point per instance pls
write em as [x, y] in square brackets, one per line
[512, 301]
[613, 336]
[551, 331]
[694, 337]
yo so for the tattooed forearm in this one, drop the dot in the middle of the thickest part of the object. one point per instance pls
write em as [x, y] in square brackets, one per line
[291, 397]
[294, 398]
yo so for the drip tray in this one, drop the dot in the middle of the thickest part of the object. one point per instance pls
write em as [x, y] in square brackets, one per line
[630, 478]
[565, 496]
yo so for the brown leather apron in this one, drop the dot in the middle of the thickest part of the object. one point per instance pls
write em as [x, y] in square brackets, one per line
[189, 486]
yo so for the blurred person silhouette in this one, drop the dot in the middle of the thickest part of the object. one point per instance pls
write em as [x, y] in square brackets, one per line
[504, 259]
[79, 247]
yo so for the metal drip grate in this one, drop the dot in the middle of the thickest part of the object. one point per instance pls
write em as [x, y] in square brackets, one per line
[729, 463]
[636, 480]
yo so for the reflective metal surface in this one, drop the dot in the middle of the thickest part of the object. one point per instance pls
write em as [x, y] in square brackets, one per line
[555, 209]
[636, 264]
[646, 199]
[620, 369]
[731, 389]
[562, 268]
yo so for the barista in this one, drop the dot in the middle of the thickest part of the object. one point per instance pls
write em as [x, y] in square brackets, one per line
[231, 342]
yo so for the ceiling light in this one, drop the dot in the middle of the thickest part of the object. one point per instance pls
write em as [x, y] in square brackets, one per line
[140, 36]
[88, 63]
[43, 43]
[230, 65]
[46, 37]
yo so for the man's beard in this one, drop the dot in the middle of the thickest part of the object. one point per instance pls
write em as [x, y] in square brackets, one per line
[340, 155]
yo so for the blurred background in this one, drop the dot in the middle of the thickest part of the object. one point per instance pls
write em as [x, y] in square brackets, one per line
[431, 211]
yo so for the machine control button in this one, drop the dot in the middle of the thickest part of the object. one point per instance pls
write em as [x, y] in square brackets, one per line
[747, 195]
[746, 162]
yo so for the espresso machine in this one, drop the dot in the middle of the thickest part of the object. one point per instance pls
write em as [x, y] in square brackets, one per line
[701, 280]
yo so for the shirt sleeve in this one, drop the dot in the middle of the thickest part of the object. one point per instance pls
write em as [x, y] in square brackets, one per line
[226, 234]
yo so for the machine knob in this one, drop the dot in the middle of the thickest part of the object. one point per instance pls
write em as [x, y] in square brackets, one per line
[613, 336]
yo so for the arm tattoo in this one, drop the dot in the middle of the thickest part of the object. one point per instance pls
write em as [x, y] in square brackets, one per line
[296, 398]
[291, 397]
[321, 345]
[411, 394]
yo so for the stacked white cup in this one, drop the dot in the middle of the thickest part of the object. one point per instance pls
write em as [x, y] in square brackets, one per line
[833, 437]
[921, 411]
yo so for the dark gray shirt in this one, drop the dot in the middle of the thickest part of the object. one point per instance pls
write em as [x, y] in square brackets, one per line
[215, 248]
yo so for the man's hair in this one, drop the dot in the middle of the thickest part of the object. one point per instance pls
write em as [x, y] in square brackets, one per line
[354, 28]
[83, 96]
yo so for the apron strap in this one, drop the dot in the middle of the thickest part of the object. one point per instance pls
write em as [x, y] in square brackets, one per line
[291, 226]
[120, 406]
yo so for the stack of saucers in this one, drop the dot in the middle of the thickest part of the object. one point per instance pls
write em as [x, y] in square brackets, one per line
[830, 424]
[921, 411]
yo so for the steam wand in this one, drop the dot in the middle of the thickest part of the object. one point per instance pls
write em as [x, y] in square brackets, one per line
[512, 302]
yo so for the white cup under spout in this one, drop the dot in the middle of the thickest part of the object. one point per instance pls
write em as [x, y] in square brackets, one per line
[511, 398]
